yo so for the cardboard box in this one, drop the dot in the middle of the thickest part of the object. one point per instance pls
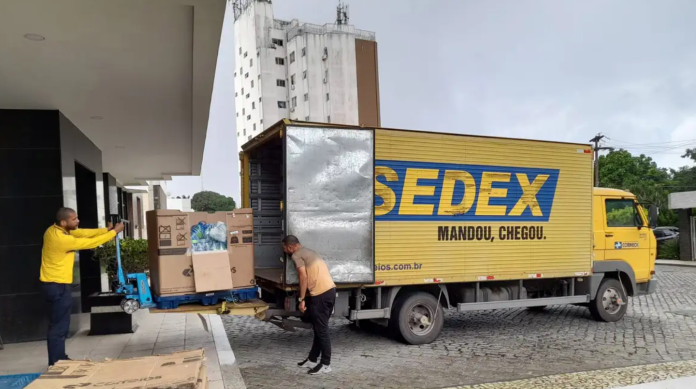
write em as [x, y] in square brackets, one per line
[240, 227]
[211, 271]
[184, 369]
[169, 252]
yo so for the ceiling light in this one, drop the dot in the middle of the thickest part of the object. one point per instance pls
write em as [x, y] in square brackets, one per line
[35, 37]
[96, 117]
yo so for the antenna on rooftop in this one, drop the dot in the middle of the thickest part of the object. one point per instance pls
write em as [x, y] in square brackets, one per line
[341, 13]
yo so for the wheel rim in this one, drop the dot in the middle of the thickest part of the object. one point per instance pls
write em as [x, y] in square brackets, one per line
[611, 301]
[130, 306]
[420, 319]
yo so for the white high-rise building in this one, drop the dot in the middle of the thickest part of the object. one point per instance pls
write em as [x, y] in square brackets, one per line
[301, 71]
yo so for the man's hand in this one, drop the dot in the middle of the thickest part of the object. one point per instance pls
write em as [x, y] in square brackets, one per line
[303, 308]
[109, 226]
[119, 228]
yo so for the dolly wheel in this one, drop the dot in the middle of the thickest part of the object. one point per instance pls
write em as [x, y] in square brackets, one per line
[130, 306]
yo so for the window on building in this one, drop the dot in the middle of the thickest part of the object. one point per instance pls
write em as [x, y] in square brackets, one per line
[242, 90]
[244, 131]
[241, 71]
[240, 51]
[327, 97]
[251, 62]
[278, 42]
[245, 54]
[235, 94]
[292, 80]
[252, 83]
[294, 102]
[280, 83]
[237, 114]
[253, 105]
[249, 138]
[259, 77]
[261, 121]
[326, 51]
[246, 75]
[248, 117]
[258, 53]
[326, 74]
[306, 118]
[254, 126]
[282, 104]
[306, 97]
[622, 213]
[243, 111]
[328, 119]
[247, 95]
[292, 57]
[304, 75]
[280, 61]
[304, 51]
[235, 74]
[259, 99]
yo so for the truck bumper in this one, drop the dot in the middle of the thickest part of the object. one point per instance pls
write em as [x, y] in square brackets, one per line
[645, 288]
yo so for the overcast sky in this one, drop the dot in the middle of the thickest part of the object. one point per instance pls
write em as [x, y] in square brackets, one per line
[540, 69]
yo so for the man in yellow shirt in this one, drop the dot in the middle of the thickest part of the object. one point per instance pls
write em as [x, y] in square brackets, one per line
[60, 242]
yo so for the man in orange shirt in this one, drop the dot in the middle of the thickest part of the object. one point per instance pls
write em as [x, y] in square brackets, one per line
[60, 242]
[315, 277]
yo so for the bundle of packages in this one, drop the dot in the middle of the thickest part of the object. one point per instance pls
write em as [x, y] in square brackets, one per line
[180, 370]
[209, 237]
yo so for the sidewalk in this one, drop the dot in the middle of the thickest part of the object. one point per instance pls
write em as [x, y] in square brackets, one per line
[156, 334]
[672, 375]
[674, 262]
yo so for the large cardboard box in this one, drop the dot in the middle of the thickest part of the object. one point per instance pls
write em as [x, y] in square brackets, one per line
[169, 252]
[240, 226]
[184, 369]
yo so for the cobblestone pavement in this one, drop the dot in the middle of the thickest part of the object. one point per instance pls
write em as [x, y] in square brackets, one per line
[480, 347]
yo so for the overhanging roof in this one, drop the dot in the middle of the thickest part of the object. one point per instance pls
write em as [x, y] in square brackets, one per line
[135, 76]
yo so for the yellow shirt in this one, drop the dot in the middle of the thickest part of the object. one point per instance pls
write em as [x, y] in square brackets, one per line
[59, 246]
[318, 277]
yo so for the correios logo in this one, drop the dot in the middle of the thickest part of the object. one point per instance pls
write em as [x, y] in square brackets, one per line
[424, 191]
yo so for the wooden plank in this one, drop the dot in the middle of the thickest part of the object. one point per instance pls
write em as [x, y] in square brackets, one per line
[248, 308]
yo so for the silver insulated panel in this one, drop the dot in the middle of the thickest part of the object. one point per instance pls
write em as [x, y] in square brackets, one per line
[330, 186]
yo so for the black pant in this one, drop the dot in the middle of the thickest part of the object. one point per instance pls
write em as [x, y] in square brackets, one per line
[60, 300]
[320, 309]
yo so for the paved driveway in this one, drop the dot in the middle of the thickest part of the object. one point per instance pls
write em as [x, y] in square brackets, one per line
[481, 346]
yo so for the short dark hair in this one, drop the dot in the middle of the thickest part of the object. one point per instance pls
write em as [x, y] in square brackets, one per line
[291, 240]
[63, 214]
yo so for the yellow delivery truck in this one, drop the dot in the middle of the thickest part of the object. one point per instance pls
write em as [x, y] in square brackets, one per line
[411, 223]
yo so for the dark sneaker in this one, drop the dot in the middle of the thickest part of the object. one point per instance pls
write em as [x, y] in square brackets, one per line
[306, 363]
[320, 369]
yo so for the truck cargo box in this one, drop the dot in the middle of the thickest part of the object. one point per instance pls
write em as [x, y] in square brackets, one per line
[396, 207]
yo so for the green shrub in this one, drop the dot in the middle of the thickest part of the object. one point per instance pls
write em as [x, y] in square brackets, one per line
[133, 257]
[669, 250]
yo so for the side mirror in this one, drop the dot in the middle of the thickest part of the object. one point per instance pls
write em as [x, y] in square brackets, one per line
[653, 213]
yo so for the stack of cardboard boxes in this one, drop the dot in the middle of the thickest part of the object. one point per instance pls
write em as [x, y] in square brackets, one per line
[176, 269]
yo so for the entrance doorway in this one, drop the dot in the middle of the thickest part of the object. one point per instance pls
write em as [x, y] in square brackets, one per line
[90, 271]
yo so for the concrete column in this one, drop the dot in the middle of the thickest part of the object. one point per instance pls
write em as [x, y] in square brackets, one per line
[685, 234]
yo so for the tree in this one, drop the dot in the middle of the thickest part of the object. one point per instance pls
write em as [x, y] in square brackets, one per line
[641, 176]
[208, 201]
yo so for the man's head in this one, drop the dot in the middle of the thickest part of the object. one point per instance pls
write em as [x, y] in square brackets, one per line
[67, 219]
[291, 244]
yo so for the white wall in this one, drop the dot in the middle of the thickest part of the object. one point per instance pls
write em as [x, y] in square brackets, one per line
[183, 205]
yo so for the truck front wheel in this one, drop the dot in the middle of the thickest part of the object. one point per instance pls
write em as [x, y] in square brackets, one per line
[610, 303]
[416, 318]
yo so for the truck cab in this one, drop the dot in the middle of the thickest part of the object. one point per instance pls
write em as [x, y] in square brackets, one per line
[623, 241]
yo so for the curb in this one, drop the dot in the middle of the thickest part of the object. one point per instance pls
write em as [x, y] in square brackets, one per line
[676, 263]
[231, 376]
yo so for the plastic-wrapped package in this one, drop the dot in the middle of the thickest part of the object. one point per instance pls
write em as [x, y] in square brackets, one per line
[218, 232]
[209, 237]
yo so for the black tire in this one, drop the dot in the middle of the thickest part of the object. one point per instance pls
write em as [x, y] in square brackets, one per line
[538, 308]
[401, 321]
[603, 307]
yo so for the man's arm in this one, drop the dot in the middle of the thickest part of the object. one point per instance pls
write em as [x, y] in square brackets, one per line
[88, 232]
[302, 272]
[73, 243]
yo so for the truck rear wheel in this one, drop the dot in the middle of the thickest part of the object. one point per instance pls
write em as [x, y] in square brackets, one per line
[610, 303]
[416, 318]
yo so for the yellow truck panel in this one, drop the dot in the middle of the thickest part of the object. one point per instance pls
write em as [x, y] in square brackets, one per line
[454, 208]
